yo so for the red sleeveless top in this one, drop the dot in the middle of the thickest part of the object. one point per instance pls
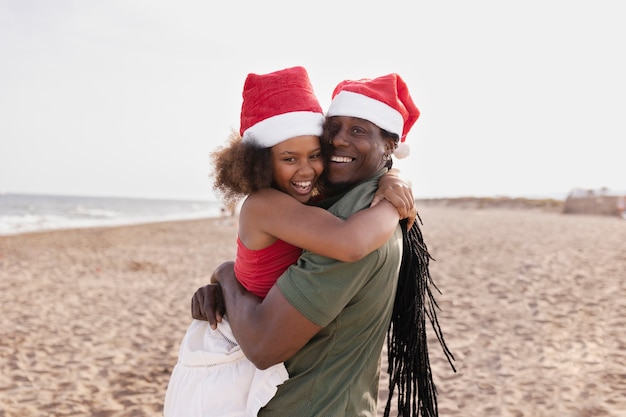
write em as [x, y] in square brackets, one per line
[258, 270]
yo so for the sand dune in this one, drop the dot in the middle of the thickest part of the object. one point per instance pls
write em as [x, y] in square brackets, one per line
[533, 308]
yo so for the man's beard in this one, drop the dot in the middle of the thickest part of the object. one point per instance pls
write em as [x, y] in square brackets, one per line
[334, 189]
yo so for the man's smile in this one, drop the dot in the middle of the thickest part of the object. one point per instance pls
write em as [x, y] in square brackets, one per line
[341, 159]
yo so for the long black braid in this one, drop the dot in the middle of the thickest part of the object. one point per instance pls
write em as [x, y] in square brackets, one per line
[409, 365]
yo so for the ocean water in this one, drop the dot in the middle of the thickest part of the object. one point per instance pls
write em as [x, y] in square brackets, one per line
[23, 213]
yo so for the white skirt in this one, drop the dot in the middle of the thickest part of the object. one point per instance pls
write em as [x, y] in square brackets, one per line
[214, 378]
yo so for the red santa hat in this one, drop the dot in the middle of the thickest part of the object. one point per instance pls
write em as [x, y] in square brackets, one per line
[279, 106]
[384, 101]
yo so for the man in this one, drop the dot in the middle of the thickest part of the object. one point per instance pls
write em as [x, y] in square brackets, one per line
[327, 319]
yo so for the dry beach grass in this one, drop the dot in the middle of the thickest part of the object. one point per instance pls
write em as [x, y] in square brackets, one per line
[532, 306]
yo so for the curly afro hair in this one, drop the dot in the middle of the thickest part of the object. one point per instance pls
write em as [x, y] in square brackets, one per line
[241, 169]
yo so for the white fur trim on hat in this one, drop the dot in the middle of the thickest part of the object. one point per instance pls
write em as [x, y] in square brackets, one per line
[276, 129]
[350, 104]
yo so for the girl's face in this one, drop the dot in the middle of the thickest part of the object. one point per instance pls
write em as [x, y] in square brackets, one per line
[297, 164]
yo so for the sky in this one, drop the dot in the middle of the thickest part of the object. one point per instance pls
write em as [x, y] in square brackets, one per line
[129, 97]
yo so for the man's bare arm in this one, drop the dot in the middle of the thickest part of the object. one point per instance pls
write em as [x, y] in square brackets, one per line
[268, 330]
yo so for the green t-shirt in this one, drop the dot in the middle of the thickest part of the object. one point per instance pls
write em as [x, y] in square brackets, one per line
[336, 373]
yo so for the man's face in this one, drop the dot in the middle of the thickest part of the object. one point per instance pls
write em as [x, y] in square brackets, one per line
[355, 149]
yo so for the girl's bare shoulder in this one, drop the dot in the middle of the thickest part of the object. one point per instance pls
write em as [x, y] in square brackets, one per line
[270, 196]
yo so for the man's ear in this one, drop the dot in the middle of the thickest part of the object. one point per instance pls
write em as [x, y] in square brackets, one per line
[391, 145]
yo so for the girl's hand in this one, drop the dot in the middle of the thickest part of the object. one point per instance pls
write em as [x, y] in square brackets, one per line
[398, 192]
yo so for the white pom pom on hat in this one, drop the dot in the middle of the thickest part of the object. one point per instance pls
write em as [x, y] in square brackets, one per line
[384, 101]
[279, 106]
[402, 151]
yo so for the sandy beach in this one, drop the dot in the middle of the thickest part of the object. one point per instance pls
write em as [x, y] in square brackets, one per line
[533, 307]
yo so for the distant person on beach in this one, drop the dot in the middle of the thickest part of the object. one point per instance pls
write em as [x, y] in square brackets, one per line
[621, 206]
[276, 161]
[326, 319]
[228, 211]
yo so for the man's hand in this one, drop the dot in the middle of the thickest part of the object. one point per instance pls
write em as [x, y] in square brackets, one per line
[208, 304]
